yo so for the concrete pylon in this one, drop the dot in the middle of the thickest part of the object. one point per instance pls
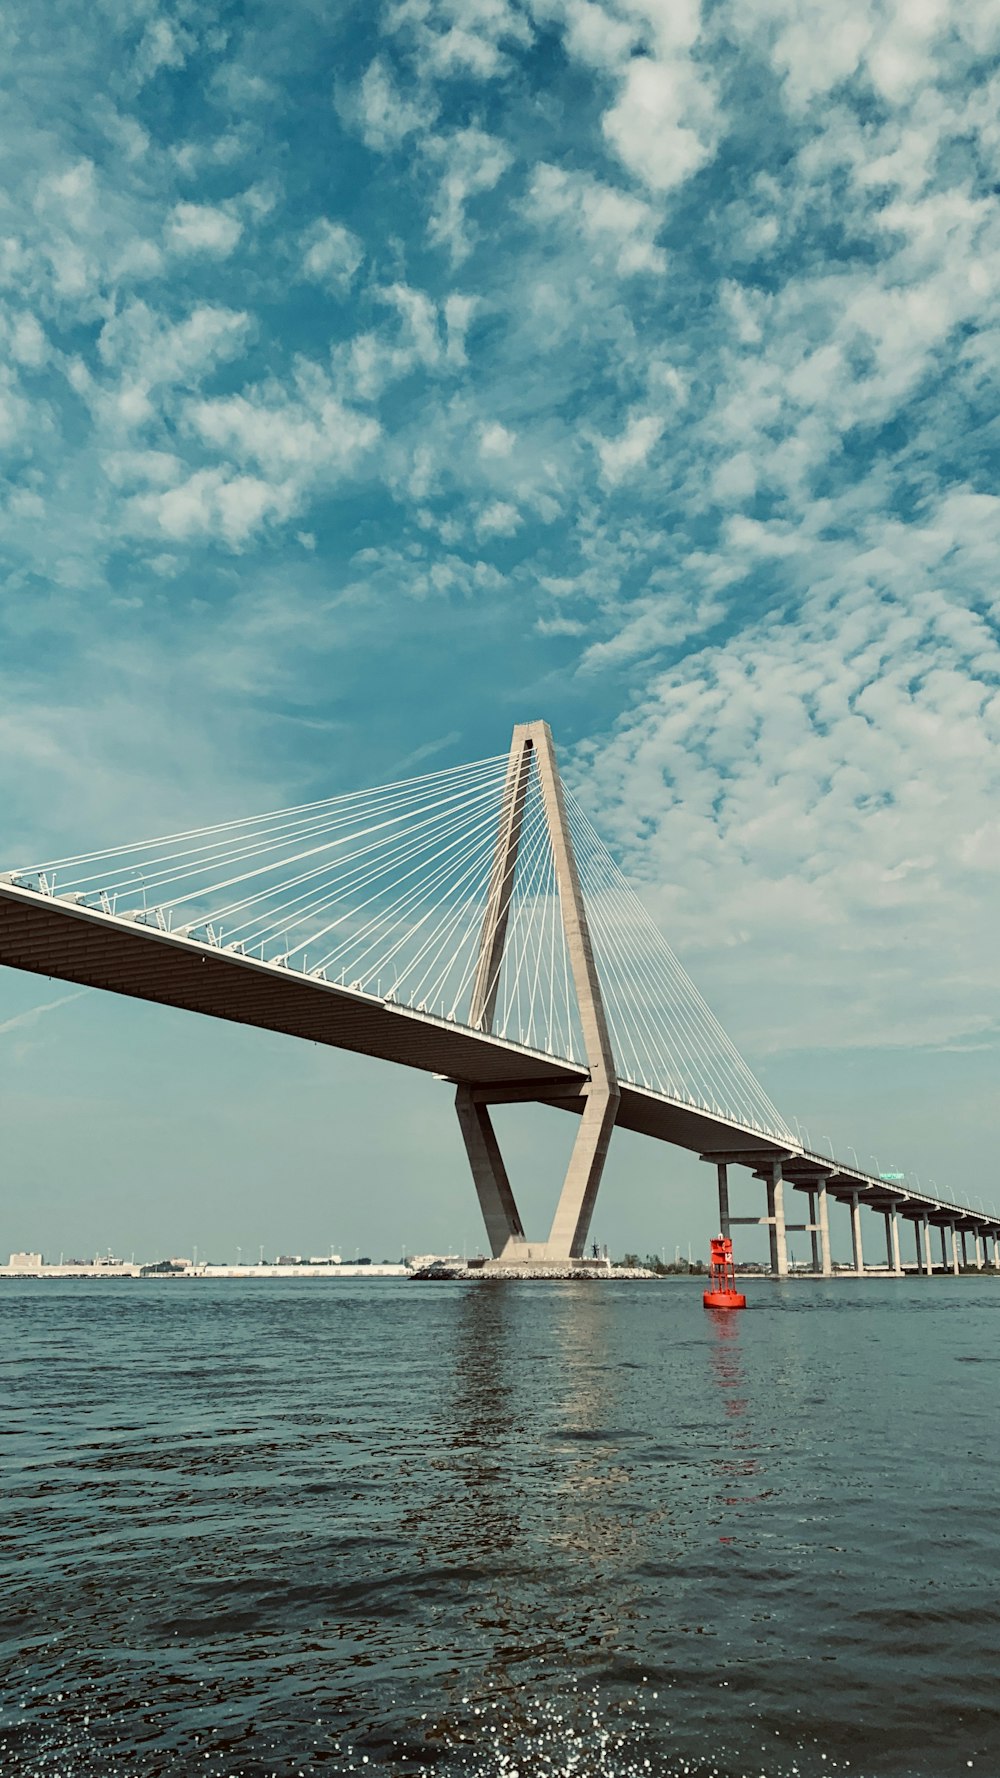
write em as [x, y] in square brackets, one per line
[895, 1260]
[493, 936]
[725, 1228]
[531, 748]
[856, 1246]
[955, 1266]
[777, 1238]
[826, 1259]
[813, 1229]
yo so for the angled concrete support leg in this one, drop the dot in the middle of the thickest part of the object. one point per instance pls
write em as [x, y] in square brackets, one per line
[856, 1247]
[724, 1224]
[776, 1224]
[965, 1250]
[496, 1200]
[979, 1245]
[956, 1268]
[928, 1256]
[824, 1230]
[570, 1225]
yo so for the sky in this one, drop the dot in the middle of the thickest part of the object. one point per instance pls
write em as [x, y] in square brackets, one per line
[375, 377]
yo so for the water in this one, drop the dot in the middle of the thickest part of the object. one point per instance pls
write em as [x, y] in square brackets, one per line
[303, 1527]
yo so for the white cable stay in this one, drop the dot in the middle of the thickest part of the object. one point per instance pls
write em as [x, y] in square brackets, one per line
[388, 890]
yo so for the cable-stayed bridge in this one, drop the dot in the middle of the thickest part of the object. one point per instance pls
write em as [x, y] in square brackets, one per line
[470, 923]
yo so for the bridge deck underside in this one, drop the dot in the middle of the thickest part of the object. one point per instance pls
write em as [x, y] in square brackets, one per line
[54, 938]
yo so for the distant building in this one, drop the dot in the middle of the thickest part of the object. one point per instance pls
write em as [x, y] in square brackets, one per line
[26, 1262]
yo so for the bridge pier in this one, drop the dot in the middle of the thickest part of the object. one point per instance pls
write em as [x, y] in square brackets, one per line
[892, 1242]
[944, 1247]
[826, 1258]
[722, 1172]
[979, 1245]
[928, 1261]
[813, 1227]
[965, 1251]
[777, 1238]
[856, 1245]
[956, 1268]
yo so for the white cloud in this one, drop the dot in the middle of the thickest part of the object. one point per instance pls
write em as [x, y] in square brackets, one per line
[495, 440]
[454, 38]
[499, 519]
[458, 313]
[25, 1020]
[810, 802]
[473, 163]
[28, 343]
[331, 254]
[286, 436]
[369, 363]
[618, 226]
[663, 126]
[203, 228]
[660, 620]
[146, 354]
[163, 45]
[383, 117]
[211, 504]
[621, 456]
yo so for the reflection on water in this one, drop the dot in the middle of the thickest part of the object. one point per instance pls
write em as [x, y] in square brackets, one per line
[570, 1528]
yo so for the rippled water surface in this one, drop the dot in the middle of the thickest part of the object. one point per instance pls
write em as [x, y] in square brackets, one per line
[534, 1529]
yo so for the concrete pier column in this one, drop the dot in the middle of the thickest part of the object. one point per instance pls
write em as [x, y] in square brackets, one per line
[894, 1259]
[916, 1237]
[944, 1247]
[928, 1256]
[954, 1251]
[776, 1225]
[996, 1251]
[978, 1249]
[965, 1250]
[856, 1247]
[887, 1218]
[724, 1224]
[813, 1236]
[826, 1262]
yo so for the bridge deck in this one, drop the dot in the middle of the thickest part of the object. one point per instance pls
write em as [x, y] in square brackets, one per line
[49, 936]
[52, 937]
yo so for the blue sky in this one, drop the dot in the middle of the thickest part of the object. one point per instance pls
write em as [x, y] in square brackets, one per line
[374, 377]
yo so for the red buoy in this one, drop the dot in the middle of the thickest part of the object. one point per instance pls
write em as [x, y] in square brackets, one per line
[722, 1292]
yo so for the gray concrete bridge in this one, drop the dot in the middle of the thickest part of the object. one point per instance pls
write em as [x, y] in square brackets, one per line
[469, 924]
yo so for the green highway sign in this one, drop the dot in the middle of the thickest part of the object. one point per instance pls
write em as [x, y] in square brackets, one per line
[889, 1176]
